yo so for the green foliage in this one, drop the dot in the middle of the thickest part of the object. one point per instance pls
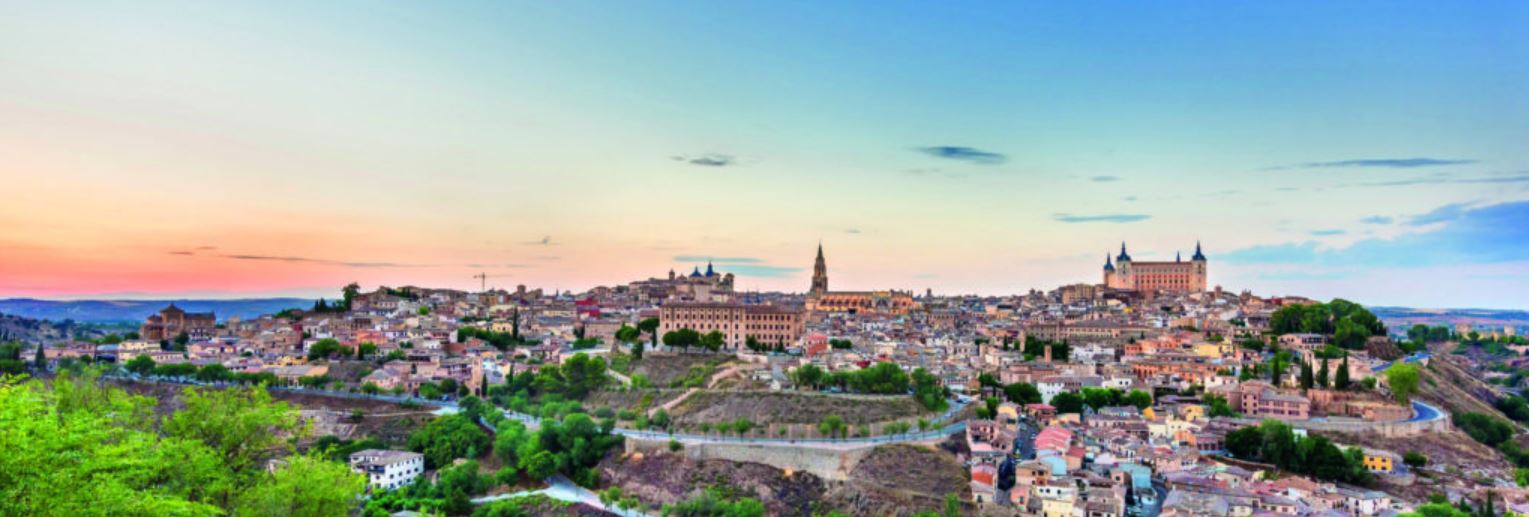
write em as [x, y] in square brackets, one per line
[1218, 407]
[713, 503]
[214, 373]
[1514, 407]
[141, 364]
[1274, 442]
[301, 486]
[1022, 393]
[1036, 347]
[574, 379]
[841, 344]
[334, 449]
[682, 338]
[1067, 402]
[927, 390]
[1349, 323]
[1482, 428]
[175, 370]
[884, 378]
[499, 340]
[1414, 459]
[324, 349]
[79, 447]
[1403, 378]
[832, 426]
[809, 375]
[571, 446]
[447, 438]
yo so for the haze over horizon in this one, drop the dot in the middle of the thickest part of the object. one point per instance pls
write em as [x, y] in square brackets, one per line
[1364, 150]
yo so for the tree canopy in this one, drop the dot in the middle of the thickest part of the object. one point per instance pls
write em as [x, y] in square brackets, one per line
[80, 447]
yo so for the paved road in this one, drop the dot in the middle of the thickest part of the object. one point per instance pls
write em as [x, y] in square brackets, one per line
[563, 489]
[1422, 412]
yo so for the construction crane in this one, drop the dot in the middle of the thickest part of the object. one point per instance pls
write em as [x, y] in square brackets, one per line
[483, 279]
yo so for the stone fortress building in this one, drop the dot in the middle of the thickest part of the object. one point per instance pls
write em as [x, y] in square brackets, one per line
[172, 321]
[1128, 275]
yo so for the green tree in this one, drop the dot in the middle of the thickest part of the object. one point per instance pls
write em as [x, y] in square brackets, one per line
[141, 364]
[808, 375]
[1341, 380]
[323, 349]
[302, 486]
[649, 326]
[683, 338]
[214, 373]
[1307, 378]
[348, 294]
[243, 424]
[1403, 378]
[1138, 398]
[832, 426]
[1322, 374]
[447, 438]
[713, 341]
[366, 349]
[1415, 459]
[1067, 402]
[1022, 393]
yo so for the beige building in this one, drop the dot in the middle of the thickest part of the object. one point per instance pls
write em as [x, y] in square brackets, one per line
[1178, 275]
[820, 299]
[769, 324]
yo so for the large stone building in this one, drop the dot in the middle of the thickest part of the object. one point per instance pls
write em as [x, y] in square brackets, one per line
[820, 299]
[1126, 274]
[171, 322]
[769, 324]
[697, 286]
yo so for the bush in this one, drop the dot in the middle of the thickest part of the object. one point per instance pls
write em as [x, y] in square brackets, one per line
[675, 445]
[1414, 459]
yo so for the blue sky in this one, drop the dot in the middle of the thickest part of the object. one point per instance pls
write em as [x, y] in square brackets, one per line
[987, 147]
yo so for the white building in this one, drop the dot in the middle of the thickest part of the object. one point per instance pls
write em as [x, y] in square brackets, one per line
[388, 470]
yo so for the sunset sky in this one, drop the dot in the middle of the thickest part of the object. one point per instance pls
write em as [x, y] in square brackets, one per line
[1377, 151]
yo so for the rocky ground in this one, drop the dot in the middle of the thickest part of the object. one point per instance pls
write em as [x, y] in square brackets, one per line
[664, 369]
[892, 480]
[794, 408]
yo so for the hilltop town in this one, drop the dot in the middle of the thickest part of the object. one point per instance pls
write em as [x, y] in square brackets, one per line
[1151, 392]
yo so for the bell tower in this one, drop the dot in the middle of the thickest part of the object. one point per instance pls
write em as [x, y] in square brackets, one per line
[819, 274]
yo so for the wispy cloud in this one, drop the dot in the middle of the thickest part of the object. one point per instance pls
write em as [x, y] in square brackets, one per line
[853, 231]
[1327, 233]
[1443, 179]
[708, 160]
[1104, 179]
[762, 271]
[1377, 219]
[1100, 218]
[1441, 214]
[718, 260]
[966, 154]
[1464, 235]
[544, 241]
[183, 253]
[325, 262]
[1382, 163]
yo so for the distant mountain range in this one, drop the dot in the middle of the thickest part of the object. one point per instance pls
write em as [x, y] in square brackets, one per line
[102, 311]
[1394, 316]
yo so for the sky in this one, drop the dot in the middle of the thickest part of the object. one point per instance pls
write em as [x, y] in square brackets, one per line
[1368, 150]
